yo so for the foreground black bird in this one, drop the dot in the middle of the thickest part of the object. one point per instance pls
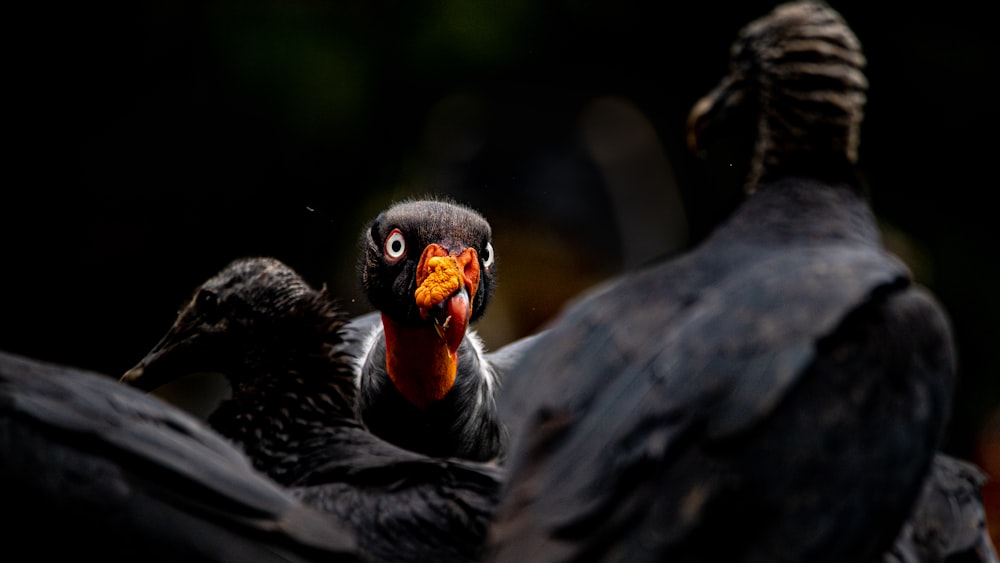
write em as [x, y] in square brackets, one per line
[428, 267]
[280, 344]
[778, 392]
[92, 468]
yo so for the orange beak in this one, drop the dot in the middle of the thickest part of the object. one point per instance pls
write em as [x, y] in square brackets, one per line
[441, 279]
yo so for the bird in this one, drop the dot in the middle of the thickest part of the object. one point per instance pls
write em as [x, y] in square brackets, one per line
[776, 392]
[281, 345]
[948, 523]
[90, 467]
[263, 328]
[427, 266]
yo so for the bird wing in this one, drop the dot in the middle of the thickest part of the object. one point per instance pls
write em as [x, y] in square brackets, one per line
[735, 345]
[603, 401]
[139, 478]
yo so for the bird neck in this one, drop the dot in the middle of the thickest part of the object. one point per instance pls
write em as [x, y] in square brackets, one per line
[419, 362]
[791, 141]
[803, 210]
[303, 389]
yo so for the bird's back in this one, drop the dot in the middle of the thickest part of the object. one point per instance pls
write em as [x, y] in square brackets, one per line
[728, 390]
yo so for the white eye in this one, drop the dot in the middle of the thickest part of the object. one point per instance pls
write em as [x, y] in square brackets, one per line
[488, 255]
[395, 245]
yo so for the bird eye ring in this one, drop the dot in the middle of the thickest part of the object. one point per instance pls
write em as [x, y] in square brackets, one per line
[395, 245]
[488, 255]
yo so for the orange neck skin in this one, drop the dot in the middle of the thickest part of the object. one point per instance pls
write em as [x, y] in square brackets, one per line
[419, 362]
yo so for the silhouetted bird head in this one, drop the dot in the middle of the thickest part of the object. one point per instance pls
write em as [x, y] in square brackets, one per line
[799, 71]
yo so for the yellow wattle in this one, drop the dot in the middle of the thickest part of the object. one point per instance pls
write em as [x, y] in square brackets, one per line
[443, 278]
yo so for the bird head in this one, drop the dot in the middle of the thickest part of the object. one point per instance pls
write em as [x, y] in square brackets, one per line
[253, 313]
[429, 267]
[798, 74]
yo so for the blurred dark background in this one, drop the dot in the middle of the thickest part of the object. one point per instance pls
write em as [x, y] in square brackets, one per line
[150, 143]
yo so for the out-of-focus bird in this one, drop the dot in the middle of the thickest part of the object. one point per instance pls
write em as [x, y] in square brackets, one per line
[276, 341]
[778, 392]
[92, 468]
[280, 343]
[429, 268]
[948, 524]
